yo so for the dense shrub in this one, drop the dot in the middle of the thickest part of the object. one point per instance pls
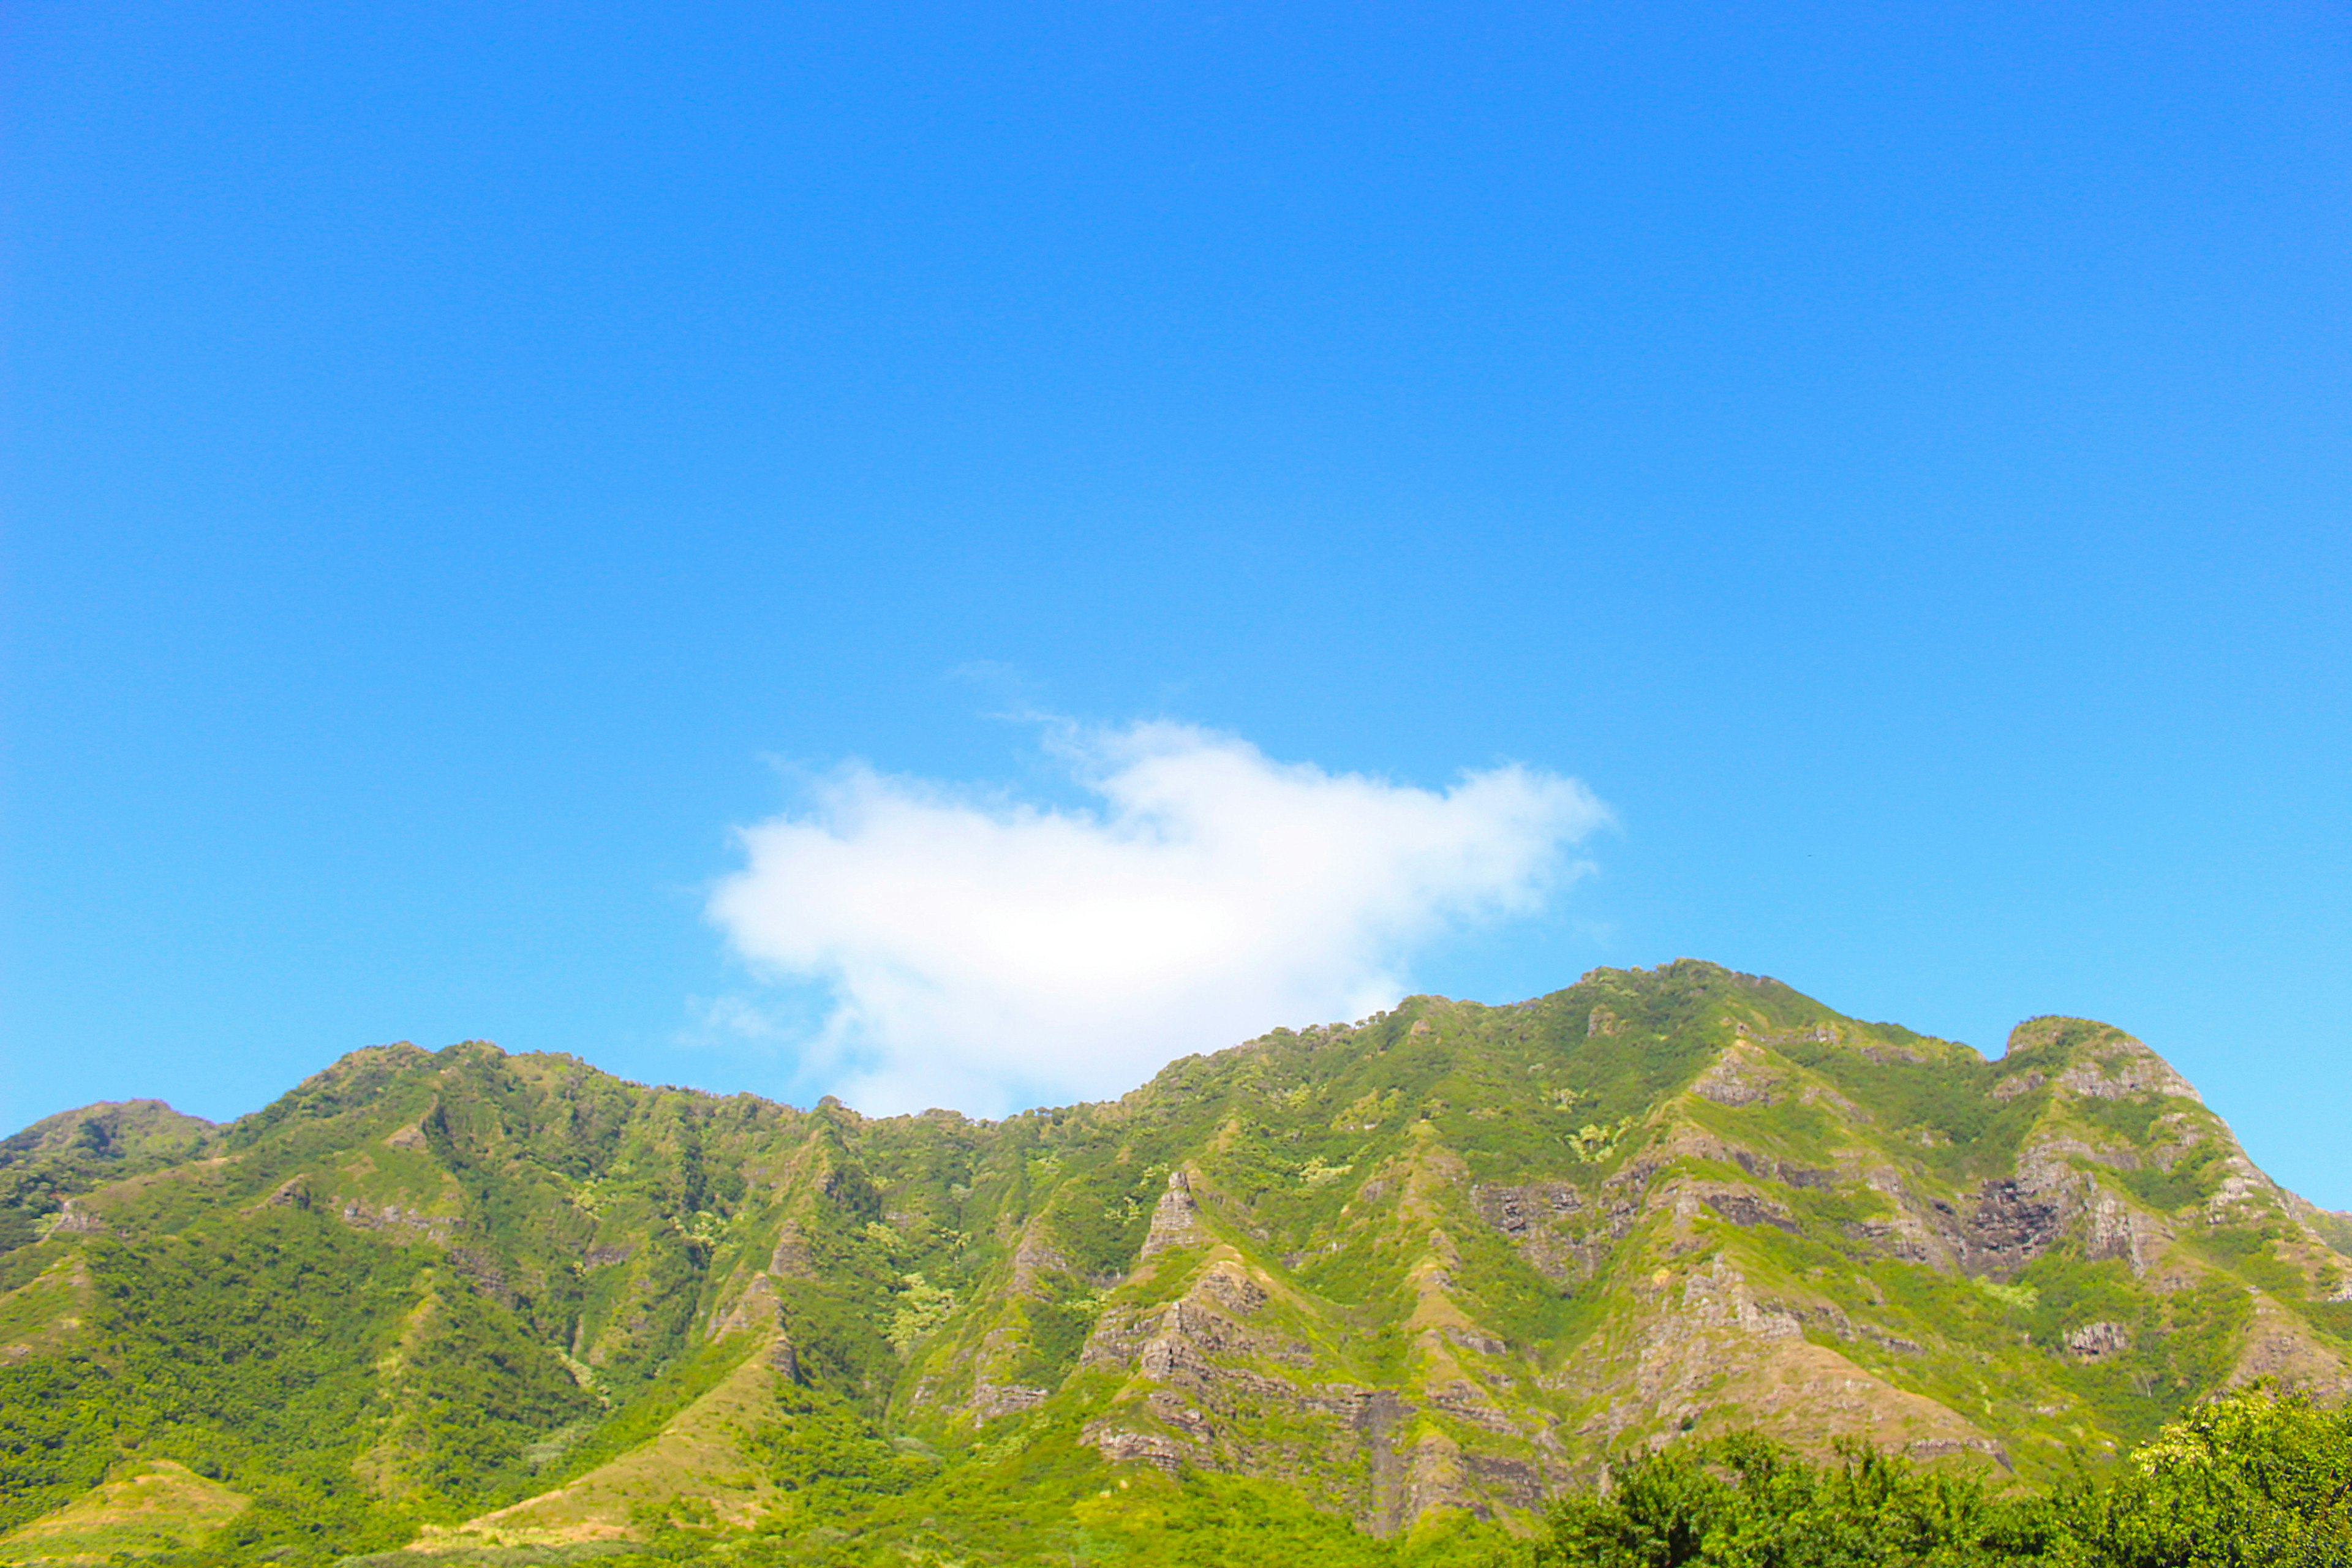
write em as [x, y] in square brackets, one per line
[2251, 1481]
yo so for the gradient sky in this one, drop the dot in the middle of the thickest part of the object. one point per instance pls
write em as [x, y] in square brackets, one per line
[467, 462]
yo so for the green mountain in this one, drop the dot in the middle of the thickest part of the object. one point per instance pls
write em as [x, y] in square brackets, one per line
[1364, 1293]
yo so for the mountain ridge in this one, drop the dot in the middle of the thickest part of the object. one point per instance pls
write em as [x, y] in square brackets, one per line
[1432, 1267]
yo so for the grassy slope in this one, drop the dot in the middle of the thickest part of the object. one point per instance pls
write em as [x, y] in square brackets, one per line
[1430, 1266]
[155, 1505]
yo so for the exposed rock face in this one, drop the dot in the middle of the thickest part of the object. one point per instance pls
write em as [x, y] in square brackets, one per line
[393, 1216]
[1194, 1364]
[2125, 1069]
[986, 1382]
[2011, 1224]
[2099, 1341]
[756, 1311]
[1221, 1377]
[1553, 1225]
[1742, 1075]
[1451, 1257]
[789, 1258]
[73, 1220]
[2116, 1229]
[1712, 1349]
[1747, 1209]
[2282, 1347]
[2243, 1193]
[1176, 1221]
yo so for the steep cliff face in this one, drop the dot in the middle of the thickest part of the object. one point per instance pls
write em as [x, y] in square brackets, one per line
[1439, 1262]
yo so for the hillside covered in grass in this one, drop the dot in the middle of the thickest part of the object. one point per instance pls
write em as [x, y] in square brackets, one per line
[1371, 1293]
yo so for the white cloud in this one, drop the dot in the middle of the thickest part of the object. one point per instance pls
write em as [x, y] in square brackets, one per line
[984, 954]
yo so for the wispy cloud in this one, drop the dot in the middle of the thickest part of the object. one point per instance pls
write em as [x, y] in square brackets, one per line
[983, 952]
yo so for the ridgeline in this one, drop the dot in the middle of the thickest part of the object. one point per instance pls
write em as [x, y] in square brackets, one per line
[1370, 1293]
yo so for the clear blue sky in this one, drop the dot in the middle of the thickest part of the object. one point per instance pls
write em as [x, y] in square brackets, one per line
[1897, 455]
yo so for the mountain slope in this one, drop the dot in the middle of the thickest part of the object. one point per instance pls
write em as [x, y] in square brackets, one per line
[1436, 1265]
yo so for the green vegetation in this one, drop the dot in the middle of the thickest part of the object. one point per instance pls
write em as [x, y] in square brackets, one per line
[57, 1428]
[51, 1161]
[2249, 1482]
[1407, 1281]
[154, 1508]
[2190, 1179]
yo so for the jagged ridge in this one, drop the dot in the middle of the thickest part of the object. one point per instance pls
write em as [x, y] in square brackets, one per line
[1439, 1262]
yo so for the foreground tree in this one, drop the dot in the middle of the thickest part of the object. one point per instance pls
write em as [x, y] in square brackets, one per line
[2249, 1480]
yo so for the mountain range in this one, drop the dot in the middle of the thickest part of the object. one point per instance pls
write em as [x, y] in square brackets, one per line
[1372, 1290]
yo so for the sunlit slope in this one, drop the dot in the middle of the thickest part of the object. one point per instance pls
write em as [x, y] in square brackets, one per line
[1438, 1262]
[155, 1505]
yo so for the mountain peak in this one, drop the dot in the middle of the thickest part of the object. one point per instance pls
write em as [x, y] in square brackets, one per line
[1438, 1262]
[2094, 1059]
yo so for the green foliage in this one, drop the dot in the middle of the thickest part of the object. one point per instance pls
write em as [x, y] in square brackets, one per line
[360, 1308]
[1594, 1143]
[356, 1083]
[247, 1352]
[1945, 1105]
[76, 1150]
[678, 1386]
[2024, 1297]
[18, 1228]
[1046, 1500]
[2251, 1479]
[474, 1394]
[269, 1328]
[59, 1422]
[2247, 1251]
[838, 1331]
[2190, 1179]
[921, 1307]
[2243, 1481]
[1056, 1331]
[2130, 1117]
[828, 1458]
[268, 1351]
[1743, 1501]
[28, 1263]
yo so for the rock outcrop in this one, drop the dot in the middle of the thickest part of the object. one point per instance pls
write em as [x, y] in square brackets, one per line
[1444, 1261]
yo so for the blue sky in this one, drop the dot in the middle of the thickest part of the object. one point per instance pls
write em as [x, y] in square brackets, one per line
[467, 463]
